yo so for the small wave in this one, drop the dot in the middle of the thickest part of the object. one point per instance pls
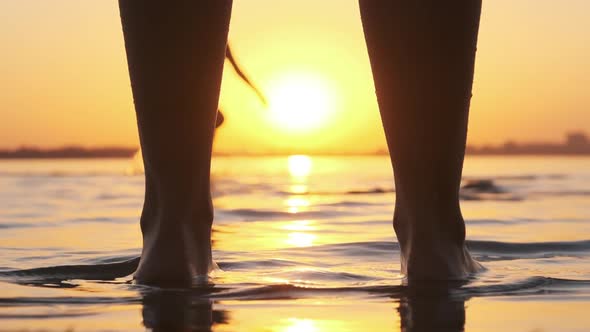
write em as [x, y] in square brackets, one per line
[474, 189]
[529, 248]
[520, 221]
[56, 274]
[76, 314]
[521, 177]
[315, 276]
[111, 268]
[249, 264]
[259, 214]
[483, 250]
[12, 301]
[357, 249]
[528, 286]
[44, 223]
[490, 197]
[371, 191]
[482, 186]
[451, 290]
[561, 193]
[367, 191]
[485, 189]
[349, 204]
[18, 225]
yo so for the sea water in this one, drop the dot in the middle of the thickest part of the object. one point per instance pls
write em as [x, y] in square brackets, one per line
[303, 244]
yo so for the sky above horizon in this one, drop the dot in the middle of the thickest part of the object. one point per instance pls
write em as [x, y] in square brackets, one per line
[64, 79]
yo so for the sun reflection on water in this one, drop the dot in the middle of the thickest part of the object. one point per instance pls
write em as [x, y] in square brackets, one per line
[300, 325]
[298, 189]
[296, 204]
[300, 239]
[299, 166]
[299, 225]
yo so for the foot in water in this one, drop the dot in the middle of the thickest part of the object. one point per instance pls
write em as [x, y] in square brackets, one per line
[429, 253]
[178, 256]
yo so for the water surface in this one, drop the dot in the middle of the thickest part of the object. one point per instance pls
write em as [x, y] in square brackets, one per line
[304, 244]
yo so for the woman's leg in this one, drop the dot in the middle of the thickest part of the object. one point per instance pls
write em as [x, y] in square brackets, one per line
[422, 56]
[175, 51]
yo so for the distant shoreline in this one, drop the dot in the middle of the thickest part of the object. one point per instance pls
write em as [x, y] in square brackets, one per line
[69, 153]
[128, 154]
[575, 144]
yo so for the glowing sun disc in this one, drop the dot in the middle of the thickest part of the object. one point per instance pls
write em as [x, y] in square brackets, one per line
[300, 102]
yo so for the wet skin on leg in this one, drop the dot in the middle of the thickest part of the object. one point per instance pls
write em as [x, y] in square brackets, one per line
[175, 51]
[422, 56]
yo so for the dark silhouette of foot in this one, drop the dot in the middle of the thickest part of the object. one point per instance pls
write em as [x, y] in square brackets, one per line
[429, 253]
[178, 256]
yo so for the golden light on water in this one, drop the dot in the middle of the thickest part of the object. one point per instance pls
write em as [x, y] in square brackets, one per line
[300, 235]
[296, 204]
[298, 189]
[301, 325]
[299, 225]
[300, 239]
[300, 103]
[299, 165]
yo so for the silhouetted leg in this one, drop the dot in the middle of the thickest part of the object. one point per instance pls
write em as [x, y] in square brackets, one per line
[422, 56]
[432, 306]
[175, 51]
[180, 311]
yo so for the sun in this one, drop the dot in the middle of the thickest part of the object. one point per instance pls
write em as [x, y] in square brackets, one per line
[300, 102]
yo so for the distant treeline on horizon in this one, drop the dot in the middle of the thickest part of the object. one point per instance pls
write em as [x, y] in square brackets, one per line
[576, 143]
[68, 152]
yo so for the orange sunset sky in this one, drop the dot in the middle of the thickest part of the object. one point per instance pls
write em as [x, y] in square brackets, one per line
[64, 80]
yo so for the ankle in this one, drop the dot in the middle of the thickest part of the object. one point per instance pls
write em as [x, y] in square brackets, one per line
[427, 225]
[180, 216]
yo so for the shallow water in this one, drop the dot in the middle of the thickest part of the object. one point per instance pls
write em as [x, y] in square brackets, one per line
[304, 244]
